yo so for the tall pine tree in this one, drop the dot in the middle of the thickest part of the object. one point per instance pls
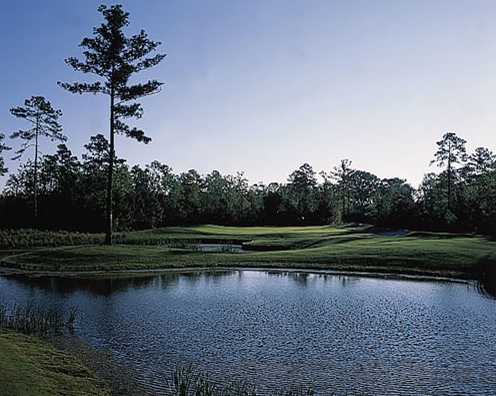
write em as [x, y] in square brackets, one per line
[114, 58]
[44, 122]
[450, 151]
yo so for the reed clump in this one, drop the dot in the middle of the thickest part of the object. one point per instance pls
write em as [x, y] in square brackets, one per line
[187, 381]
[32, 319]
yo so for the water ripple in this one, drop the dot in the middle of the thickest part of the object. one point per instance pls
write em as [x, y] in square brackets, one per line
[343, 335]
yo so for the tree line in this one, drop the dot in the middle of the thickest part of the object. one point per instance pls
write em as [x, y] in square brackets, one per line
[72, 194]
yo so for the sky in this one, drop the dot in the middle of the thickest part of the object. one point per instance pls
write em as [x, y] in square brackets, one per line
[264, 86]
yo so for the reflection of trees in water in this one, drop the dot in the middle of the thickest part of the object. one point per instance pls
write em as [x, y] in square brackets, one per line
[305, 278]
[94, 286]
[107, 286]
[301, 278]
[194, 277]
[487, 283]
[487, 278]
[343, 280]
[347, 280]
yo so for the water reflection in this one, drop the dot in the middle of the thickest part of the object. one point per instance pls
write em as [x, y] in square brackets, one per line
[487, 284]
[343, 334]
[306, 279]
[107, 286]
[97, 287]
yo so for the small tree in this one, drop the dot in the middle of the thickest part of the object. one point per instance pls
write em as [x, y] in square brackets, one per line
[3, 147]
[44, 120]
[450, 151]
[115, 58]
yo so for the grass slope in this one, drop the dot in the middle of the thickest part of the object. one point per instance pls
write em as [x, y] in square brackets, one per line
[340, 248]
[30, 366]
[29, 238]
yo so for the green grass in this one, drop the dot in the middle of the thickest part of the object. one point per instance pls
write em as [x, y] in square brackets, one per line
[32, 367]
[326, 247]
[222, 234]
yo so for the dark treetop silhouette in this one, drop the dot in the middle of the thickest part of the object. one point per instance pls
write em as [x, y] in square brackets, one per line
[115, 58]
[342, 174]
[451, 151]
[44, 120]
[480, 161]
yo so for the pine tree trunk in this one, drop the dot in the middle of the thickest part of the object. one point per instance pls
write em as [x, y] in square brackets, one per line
[343, 203]
[449, 175]
[108, 214]
[449, 187]
[36, 172]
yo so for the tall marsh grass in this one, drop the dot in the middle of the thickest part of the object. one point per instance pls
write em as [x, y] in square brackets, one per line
[186, 381]
[35, 320]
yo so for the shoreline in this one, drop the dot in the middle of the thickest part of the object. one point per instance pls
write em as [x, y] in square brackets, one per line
[429, 276]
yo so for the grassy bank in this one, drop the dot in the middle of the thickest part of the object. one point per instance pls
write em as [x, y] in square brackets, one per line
[42, 361]
[30, 366]
[354, 248]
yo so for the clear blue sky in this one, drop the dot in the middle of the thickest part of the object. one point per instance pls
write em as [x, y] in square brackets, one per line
[263, 86]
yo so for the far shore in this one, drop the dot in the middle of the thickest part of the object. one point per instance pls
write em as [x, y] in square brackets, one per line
[354, 250]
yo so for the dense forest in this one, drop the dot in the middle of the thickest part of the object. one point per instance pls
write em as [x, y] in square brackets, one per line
[71, 194]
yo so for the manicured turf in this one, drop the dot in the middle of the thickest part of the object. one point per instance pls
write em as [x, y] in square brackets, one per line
[29, 238]
[32, 367]
[212, 234]
[339, 248]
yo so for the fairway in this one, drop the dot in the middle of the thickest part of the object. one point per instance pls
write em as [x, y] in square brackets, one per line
[344, 248]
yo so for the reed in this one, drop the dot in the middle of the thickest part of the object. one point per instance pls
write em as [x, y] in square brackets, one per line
[187, 381]
[36, 320]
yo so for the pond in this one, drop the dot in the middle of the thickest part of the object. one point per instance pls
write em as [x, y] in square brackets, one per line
[218, 248]
[341, 334]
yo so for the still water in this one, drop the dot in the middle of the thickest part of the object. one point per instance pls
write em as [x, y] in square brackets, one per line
[341, 334]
